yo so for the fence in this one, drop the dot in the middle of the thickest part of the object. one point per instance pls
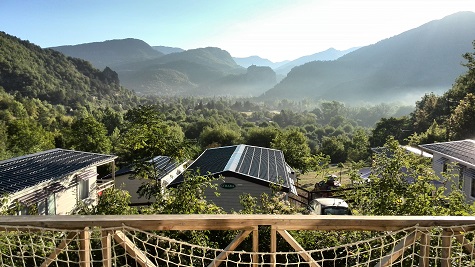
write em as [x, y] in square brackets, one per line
[140, 240]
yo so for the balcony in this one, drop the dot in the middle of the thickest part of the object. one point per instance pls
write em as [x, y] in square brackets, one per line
[142, 240]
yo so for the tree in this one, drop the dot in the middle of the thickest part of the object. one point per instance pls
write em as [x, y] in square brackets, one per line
[26, 136]
[293, 144]
[261, 136]
[398, 128]
[220, 135]
[146, 136]
[335, 148]
[359, 146]
[462, 120]
[403, 184]
[87, 134]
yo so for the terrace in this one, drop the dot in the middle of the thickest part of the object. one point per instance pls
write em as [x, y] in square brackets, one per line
[140, 240]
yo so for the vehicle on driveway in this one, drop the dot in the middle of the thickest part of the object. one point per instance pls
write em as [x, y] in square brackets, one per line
[328, 206]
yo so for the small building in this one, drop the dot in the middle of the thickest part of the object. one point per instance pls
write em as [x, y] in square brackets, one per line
[52, 181]
[244, 169]
[167, 169]
[461, 154]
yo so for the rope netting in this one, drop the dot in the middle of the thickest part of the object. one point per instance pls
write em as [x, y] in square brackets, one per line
[126, 246]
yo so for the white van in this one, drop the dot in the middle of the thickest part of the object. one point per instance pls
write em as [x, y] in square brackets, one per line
[329, 206]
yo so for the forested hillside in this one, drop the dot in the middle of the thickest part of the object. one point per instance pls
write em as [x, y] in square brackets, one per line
[205, 72]
[28, 71]
[112, 52]
[401, 68]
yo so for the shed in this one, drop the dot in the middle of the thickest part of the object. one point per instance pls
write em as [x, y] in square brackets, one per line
[244, 169]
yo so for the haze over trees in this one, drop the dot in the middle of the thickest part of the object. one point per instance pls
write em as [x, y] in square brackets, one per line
[49, 100]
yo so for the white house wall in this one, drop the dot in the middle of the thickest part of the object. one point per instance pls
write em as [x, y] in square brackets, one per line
[438, 167]
[66, 199]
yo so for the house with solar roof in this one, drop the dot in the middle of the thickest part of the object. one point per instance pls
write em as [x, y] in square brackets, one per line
[244, 170]
[54, 181]
[167, 170]
[462, 154]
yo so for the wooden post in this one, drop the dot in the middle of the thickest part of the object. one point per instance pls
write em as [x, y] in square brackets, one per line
[446, 248]
[255, 246]
[113, 170]
[85, 248]
[424, 250]
[273, 245]
[106, 249]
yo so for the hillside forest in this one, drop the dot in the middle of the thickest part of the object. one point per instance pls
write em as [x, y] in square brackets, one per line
[49, 100]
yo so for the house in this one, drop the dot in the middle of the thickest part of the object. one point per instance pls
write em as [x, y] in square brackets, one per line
[462, 155]
[244, 169]
[167, 168]
[52, 181]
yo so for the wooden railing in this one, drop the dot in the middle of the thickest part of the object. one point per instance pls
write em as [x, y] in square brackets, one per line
[248, 224]
[104, 185]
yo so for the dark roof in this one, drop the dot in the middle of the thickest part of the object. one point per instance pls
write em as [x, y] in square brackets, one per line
[257, 163]
[163, 164]
[463, 150]
[22, 172]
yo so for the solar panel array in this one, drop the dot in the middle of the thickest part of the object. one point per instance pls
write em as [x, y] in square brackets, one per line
[213, 160]
[264, 164]
[164, 165]
[463, 150]
[19, 173]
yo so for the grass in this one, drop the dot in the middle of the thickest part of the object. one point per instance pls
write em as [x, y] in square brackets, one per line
[309, 179]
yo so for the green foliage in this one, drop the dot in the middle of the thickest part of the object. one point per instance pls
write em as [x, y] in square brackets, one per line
[403, 184]
[186, 198]
[293, 143]
[462, 120]
[87, 134]
[112, 201]
[434, 134]
[26, 136]
[398, 128]
[335, 148]
[220, 135]
[261, 136]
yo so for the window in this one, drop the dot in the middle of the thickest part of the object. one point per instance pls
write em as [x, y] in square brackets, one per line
[83, 189]
[47, 206]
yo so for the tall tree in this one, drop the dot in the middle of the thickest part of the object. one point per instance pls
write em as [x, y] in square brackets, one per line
[87, 134]
[462, 120]
[294, 145]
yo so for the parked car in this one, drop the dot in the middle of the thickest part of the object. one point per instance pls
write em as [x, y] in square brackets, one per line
[328, 206]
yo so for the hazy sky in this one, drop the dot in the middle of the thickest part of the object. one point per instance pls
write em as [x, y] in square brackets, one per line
[272, 29]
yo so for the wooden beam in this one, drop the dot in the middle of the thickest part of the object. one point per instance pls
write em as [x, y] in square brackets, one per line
[398, 250]
[273, 246]
[85, 248]
[297, 247]
[424, 250]
[132, 249]
[446, 248]
[255, 246]
[466, 245]
[59, 249]
[106, 243]
[237, 222]
[229, 249]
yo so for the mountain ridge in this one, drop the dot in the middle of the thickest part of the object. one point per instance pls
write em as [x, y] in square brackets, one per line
[394, 68]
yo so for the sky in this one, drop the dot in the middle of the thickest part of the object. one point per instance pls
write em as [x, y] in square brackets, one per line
[273, 29]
